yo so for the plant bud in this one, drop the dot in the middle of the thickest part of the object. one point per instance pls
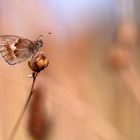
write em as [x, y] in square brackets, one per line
[38, 62]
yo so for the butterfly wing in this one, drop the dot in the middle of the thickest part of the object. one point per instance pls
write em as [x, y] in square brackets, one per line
[15, 49]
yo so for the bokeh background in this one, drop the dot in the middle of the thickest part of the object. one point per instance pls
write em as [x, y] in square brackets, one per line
[91, 87]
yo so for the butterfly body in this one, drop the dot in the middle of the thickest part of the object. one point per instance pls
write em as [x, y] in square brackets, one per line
[15, 49]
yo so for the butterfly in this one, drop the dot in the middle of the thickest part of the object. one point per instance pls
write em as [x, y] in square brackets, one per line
[15, 49]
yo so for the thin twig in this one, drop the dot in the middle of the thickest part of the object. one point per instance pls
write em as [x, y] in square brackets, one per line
[34, 75]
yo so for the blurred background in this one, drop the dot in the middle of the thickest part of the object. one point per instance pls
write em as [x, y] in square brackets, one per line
[90, 90]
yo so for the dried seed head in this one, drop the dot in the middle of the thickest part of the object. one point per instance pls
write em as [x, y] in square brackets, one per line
[38, 62]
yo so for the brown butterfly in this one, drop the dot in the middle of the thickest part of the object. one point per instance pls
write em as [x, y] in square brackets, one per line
[15, 49]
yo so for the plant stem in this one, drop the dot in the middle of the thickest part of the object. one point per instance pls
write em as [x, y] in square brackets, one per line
[13, 133]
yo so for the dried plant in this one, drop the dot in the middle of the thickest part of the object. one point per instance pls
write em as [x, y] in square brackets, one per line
[37, 63]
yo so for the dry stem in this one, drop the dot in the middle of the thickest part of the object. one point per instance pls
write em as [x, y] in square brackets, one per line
[13, 133]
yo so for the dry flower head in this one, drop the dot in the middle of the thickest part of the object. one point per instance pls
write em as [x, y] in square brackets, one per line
[38, 62]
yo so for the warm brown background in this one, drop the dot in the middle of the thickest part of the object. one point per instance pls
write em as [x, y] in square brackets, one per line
[86, 97]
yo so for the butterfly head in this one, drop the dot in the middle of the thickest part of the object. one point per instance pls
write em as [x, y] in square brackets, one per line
[39, 41]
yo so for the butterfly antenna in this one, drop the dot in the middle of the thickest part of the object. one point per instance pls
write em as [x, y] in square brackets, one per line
[42, 36]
